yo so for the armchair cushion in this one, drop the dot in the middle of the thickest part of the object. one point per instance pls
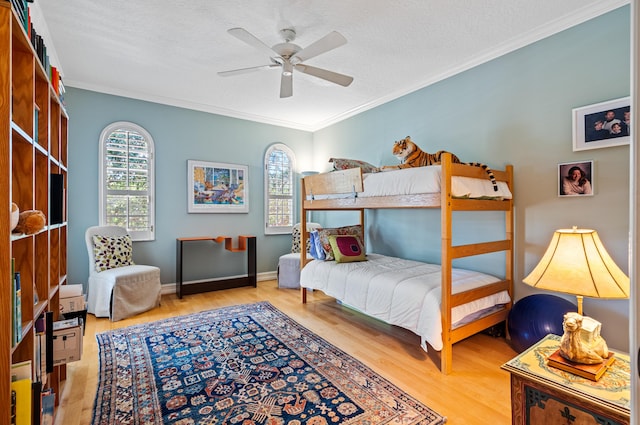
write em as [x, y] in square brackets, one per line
[112, 252]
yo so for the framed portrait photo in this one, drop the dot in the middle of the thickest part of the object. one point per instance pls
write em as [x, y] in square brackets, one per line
[216, 187]
[575, 178]
[602, 125]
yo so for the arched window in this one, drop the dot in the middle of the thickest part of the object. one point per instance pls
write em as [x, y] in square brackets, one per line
[127, 179]
[280, 204]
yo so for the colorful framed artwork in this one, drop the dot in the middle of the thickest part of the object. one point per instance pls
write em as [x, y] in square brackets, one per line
[216, 187]
[602, 125]
[575, 178]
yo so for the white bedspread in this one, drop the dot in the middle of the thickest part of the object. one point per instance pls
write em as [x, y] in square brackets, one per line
[401, 292]
[412, 181]
[427, 180]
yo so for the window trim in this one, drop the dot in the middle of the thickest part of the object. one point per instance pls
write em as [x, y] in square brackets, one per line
[279, 230]
[148, 235]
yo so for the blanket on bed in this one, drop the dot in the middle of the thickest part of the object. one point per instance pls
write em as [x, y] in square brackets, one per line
[400, 292]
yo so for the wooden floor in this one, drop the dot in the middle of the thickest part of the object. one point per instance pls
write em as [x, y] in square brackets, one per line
[475, 393]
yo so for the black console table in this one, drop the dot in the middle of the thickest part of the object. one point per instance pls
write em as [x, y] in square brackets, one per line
[245, 243]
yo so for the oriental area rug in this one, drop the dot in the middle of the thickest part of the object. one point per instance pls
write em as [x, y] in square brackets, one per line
[247, 364]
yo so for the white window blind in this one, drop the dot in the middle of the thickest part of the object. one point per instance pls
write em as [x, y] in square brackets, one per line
[280, 205]
[127, 179]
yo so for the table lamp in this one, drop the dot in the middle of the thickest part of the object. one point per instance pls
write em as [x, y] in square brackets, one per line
[577, 263]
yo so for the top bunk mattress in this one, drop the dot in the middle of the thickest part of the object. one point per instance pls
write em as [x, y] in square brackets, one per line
[420, 180]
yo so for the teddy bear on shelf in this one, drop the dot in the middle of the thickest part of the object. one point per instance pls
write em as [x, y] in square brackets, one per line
[15, 215]
[30, 222]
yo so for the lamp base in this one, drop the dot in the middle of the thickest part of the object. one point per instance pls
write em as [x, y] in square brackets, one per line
[581, 341]
[592, 372]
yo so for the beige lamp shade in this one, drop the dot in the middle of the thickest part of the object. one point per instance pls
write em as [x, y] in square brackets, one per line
[577, 263]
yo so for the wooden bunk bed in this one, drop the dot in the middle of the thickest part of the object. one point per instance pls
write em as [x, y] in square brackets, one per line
[351, 182]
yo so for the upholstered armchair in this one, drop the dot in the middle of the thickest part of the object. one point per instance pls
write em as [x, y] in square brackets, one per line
[289, 264]
[117, 287]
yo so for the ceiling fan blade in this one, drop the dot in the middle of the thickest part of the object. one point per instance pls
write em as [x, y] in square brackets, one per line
[328, 42]
[250, 39]
[334, 77]
[247, 70]
[286, 81]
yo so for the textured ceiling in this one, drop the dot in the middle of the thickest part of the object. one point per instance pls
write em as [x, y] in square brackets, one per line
[169, 51]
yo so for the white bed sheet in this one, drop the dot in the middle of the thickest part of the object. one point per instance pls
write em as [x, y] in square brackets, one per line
[398, 291]
[408, 181]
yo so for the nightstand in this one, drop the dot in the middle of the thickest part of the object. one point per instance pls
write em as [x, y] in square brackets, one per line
[541, 394]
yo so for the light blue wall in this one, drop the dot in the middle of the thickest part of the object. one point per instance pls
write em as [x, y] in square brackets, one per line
[179, 135]
[515, 109]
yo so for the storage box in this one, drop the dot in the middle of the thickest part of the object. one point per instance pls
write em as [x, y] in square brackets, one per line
[67, 341]
[82, 314]
[67, 291]
[71, 304]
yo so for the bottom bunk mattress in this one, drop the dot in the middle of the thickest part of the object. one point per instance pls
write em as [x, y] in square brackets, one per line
[401, 292]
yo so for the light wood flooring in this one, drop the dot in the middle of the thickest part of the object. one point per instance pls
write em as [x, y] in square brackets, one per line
[475, 393]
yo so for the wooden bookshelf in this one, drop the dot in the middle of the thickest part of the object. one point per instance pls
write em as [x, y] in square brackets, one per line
[33, 145]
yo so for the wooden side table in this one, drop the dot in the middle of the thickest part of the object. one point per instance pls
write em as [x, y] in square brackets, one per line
[541, 394]
[245, 243]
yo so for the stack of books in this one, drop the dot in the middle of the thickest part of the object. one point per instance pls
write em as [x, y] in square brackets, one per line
[592, 372]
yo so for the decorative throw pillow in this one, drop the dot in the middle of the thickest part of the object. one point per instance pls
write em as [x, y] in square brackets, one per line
[296, 236]
[323, 244]
[346, 248]
[315, 249]
[344, 164]
[111, 252]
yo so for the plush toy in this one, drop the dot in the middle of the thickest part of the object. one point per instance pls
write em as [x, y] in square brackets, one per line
[30, 222]
[15, 215]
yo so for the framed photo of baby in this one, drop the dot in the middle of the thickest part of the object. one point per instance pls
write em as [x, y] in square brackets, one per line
[575, 178]
[602, 125]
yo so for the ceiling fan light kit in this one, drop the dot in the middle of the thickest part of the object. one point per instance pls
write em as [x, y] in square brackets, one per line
[289, 56]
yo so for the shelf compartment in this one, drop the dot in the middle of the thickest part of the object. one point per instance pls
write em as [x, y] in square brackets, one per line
[54, 258]
[41, 185]
[22, 81]
[22, 173]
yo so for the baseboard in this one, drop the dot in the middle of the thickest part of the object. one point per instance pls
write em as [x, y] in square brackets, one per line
[170, 288]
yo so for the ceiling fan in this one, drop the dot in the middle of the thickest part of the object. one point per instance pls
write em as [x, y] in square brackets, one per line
[289, 56]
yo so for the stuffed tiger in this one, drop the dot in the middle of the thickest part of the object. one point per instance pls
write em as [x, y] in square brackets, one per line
[410, 155]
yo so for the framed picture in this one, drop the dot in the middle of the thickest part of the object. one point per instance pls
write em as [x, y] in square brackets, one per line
[575, 178]
[602, 125]
[215, 187]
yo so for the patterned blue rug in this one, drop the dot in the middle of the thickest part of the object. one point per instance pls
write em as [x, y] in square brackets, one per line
[245, 365]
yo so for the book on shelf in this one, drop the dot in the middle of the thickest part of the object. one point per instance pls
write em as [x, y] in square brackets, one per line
[40, 351]
[42, 334]
[36, 403]
[22, 388]
[592, 372]
[47, 403]
[16, 305]
[21, 382]
[17, 309]
[13, 407]
[49, 341]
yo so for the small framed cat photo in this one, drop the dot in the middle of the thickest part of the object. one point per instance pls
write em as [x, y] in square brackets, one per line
[575, 178]
[215, 187]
